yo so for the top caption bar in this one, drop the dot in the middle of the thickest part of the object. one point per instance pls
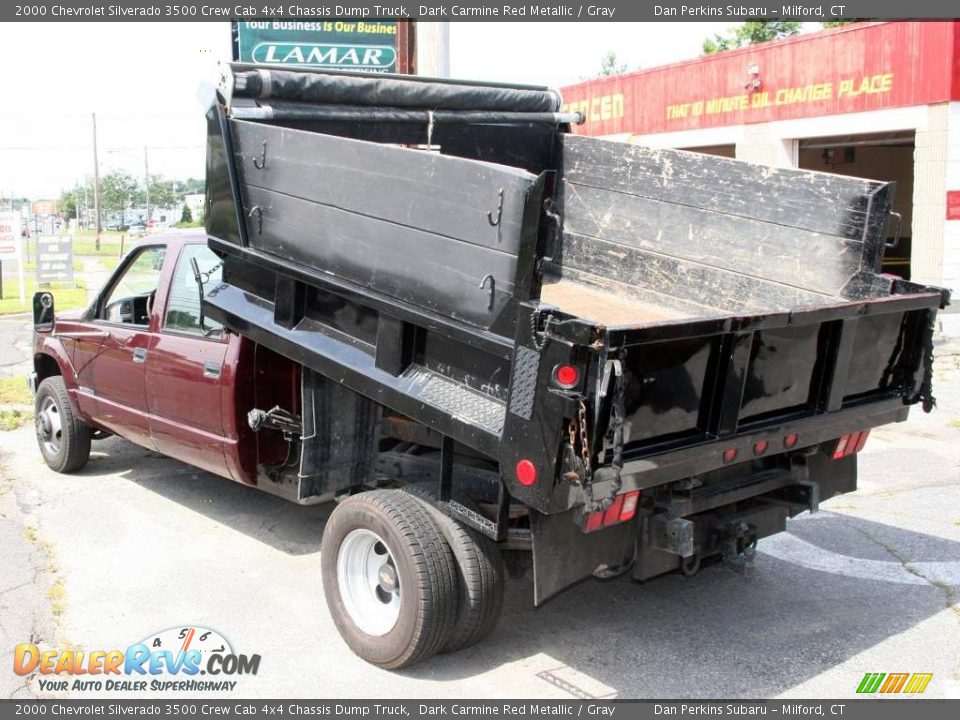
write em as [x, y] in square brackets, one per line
[611, 10]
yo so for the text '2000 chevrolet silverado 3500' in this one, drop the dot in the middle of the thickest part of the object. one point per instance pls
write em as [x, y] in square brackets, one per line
[431, 303]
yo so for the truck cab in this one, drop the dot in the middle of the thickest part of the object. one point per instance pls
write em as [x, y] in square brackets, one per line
[143, 363]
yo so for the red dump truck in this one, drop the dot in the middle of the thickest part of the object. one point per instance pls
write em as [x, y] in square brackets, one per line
[428, 302]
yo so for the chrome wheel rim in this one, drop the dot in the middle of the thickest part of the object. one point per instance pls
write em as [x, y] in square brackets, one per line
[49, 426]
[369, 582]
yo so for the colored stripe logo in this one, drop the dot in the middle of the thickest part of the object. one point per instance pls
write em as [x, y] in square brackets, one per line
[893, 683]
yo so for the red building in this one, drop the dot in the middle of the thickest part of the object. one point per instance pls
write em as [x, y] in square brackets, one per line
[878, 100]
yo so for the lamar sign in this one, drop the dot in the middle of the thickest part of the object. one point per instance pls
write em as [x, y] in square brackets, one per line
[375, 46]
[375, 58]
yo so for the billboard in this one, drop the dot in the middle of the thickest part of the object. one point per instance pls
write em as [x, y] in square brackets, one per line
[857, 68]
[377, 46]
[11, 247]
[54, 259]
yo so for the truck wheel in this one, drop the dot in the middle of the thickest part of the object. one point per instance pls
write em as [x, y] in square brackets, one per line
[389, 578]
[480, 569]
[481, 584]
[63, 438]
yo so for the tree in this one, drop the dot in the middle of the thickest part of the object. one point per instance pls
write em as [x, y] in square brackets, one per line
[190, 186]
[611, 65]
[71, 201]
[161, 192]
[837, 23]
[118, 188]
[67, 204]
[186, 216]
[750, 33]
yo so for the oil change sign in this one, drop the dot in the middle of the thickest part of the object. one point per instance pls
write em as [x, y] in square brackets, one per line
[368, 46]
[54, 259]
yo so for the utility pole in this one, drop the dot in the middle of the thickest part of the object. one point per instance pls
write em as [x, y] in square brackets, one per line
[146, 185]
[96, 182]
[433, 49]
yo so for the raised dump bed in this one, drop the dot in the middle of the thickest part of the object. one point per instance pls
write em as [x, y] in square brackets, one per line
[573, 319]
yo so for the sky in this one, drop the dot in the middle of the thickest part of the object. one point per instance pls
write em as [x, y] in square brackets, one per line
[141, 80]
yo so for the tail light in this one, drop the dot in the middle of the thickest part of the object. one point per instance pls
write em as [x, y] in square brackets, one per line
[760, 447]
[526, 473]
[566, 376]
[624, 508]
[790, 440]
[729, 455]
[851, 444]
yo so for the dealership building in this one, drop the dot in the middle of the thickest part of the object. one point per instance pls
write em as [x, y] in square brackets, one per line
[874, 100]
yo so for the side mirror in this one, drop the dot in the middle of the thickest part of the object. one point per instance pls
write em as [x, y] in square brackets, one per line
[43, 311]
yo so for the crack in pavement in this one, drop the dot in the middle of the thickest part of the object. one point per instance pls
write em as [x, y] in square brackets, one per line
[950, 596]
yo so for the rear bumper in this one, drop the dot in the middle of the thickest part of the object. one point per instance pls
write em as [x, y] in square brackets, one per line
[640, 473]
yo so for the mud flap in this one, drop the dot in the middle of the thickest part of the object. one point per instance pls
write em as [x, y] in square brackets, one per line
[563, 555]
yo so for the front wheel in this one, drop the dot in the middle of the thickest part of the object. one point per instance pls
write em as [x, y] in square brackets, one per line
[64, 439]
[389, 578]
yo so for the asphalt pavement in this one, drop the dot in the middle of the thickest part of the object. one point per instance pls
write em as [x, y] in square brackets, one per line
[137, 543]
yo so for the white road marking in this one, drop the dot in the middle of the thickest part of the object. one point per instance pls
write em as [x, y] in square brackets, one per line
[792, 549]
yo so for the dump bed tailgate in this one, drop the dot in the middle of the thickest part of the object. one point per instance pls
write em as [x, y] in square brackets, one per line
[738, 300]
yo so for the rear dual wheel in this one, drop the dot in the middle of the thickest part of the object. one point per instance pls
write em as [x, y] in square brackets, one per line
[404, 582]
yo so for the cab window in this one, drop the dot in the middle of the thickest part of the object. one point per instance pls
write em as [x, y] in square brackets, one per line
[183, 305]
[131, 298]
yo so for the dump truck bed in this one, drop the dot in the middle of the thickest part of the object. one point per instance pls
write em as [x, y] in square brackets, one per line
[443, 247]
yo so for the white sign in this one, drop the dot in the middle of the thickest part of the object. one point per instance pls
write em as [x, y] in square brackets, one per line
[11, 246]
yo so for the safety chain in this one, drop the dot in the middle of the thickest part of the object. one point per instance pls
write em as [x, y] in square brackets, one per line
[205, 276]
[540, 340]
[617, 416]
[925, 393]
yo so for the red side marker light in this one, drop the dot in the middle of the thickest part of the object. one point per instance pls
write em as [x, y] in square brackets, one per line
[760, 447]
[729, 455]
[790, 440]
[526, 473]
[566, 376]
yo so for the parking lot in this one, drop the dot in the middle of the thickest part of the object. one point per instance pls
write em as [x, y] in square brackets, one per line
[137, 543]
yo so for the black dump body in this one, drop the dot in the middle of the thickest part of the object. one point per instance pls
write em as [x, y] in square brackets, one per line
[440, 248]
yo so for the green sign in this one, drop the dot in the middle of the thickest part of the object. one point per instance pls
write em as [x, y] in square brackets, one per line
[369, 46]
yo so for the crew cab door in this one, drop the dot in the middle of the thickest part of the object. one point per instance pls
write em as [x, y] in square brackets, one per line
[111, 359]
[185, 376]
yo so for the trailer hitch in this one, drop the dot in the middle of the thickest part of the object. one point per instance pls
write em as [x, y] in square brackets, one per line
[738, 546]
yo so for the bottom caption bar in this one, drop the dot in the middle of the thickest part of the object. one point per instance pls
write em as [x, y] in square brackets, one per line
[622, 709]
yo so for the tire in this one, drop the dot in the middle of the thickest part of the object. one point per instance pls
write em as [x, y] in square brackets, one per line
[63, 438]
[481, 574]
[398, 611]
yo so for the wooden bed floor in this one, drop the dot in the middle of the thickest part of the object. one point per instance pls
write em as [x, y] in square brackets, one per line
[603, 307]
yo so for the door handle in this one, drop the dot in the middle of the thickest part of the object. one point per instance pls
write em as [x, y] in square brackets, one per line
[211, 370]
[139, 355]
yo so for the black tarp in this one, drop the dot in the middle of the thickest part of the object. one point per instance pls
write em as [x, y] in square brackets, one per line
[393, 91]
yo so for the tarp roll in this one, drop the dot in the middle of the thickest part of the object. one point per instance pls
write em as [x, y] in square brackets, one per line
[297, 111]
[336, 89]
